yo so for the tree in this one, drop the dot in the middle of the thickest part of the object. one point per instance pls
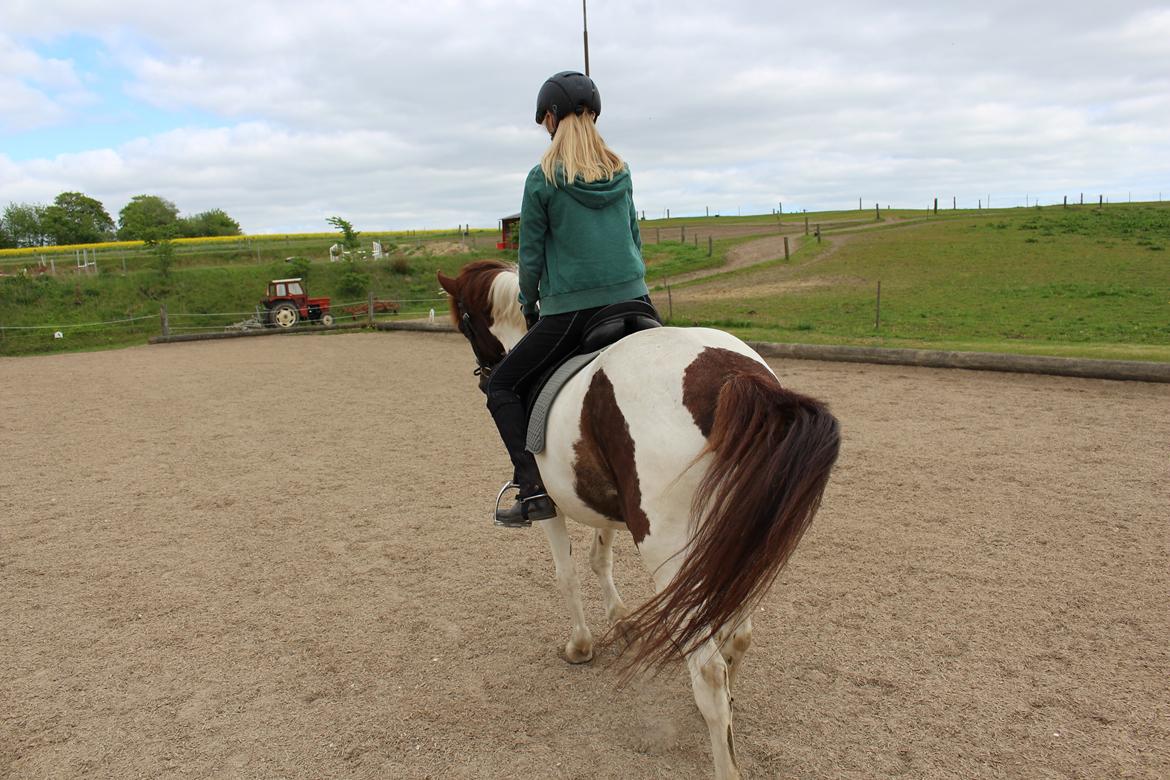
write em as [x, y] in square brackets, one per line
[215, 222]
[75, 218]
[24, 224]
[148, 218]
[349, 235]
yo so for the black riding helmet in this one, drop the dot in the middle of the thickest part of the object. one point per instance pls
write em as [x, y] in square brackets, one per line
[567, 92]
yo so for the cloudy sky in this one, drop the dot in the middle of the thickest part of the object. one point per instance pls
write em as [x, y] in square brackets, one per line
[399, 114]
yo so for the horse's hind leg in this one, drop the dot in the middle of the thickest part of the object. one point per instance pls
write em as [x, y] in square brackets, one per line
[734, 641]
[709, 679]
[601, 561]
[579, 648]
[710, 675]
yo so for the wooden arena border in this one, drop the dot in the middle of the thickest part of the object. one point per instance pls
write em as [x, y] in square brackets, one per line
[1086, 368]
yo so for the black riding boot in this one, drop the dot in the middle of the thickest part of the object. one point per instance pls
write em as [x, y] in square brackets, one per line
[533, 502]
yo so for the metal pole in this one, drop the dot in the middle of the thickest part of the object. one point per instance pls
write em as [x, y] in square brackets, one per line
[585, 27]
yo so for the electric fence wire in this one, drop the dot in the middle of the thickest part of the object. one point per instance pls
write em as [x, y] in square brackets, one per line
[79, 324]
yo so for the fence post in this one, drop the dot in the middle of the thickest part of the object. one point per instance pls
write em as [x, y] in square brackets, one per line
[818, 232]
[657, 235]
[709, 246]
[166, 325]
[877, 212]
[786, 248]
[877, 317]
[682, 236]
[669, 303]
[806, 225]
[936, 205]
[370, 307]
[696, 237]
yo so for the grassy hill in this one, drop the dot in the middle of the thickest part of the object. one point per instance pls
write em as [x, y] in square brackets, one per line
[1082, 281]
[1085, 282]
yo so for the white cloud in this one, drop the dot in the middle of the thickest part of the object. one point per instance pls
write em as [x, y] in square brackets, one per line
[37, 91]
[409, 114]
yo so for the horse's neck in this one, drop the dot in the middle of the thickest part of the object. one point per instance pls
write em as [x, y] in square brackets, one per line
[507, 319]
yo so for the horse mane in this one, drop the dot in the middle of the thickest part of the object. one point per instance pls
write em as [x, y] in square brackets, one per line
[505, 292]
[475, 288]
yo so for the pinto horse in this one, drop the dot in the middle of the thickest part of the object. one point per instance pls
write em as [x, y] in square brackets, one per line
[685, 439]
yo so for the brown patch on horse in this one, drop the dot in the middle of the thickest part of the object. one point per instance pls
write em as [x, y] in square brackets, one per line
[473, 287]
[705, 377]
[604, 473]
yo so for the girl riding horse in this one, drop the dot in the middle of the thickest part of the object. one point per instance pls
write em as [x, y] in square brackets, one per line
[580, 250]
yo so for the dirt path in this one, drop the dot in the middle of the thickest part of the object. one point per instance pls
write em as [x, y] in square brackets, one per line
[272, 558]
[772, 248]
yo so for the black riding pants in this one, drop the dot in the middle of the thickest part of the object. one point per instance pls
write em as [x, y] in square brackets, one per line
[547, 342]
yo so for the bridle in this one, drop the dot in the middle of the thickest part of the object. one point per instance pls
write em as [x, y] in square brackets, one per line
[483, 368]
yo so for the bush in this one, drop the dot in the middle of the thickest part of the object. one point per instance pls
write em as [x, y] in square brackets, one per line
[164, 257]
[299, 266]
[400, 265]
[354, 282]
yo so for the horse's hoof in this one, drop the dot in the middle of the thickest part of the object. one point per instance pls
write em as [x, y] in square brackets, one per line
[578, 653]
[626, 632]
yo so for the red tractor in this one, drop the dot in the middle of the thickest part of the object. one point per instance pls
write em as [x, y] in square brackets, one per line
[288, 303]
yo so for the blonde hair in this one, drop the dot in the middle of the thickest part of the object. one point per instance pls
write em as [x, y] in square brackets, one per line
[578, 151]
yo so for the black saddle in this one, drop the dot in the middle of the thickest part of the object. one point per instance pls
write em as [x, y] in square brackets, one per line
[606, 327]
[615, 322]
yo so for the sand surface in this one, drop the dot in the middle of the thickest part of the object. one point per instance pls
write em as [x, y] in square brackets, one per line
[273, 558]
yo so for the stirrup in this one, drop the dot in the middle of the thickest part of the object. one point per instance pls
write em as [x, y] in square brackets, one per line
[500, 497]
[507, 486]
[523, 521]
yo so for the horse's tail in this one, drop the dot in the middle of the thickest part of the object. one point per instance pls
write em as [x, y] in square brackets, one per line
[772, 452]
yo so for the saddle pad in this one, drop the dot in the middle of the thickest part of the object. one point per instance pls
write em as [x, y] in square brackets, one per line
[538, 419]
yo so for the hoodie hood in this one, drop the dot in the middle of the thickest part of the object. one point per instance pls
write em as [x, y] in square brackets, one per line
[598, 194]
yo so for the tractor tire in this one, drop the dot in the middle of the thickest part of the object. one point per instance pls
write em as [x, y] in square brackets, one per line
[284, 315]
[326, 319]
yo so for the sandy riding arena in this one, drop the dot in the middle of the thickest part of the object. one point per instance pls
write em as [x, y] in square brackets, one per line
[273, 557]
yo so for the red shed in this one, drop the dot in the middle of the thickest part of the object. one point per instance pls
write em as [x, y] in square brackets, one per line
[509, 232]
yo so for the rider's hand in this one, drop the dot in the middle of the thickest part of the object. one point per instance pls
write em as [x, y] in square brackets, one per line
[530, 317]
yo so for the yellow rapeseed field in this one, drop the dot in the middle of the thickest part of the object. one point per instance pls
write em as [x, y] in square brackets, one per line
[33, 251]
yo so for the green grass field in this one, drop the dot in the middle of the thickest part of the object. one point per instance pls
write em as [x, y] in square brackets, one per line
[207, 295]
[1075, 282]
[1081, 281]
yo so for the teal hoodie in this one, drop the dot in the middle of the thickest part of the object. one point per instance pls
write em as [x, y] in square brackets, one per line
[579, 244]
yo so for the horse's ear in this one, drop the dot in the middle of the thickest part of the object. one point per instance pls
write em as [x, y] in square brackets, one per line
[448, 284]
